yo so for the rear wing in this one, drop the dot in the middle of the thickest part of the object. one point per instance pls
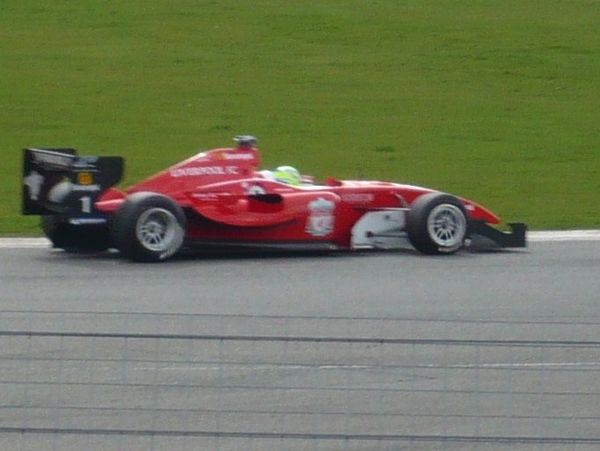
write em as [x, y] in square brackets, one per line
[57, 181]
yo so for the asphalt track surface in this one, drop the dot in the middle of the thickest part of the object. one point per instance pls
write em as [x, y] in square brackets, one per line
[454, 322]
[548, 280]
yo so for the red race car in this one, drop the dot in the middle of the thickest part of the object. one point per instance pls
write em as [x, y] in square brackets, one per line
[221, 198]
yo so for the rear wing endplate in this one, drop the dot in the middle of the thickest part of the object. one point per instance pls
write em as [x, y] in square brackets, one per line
[58, 181]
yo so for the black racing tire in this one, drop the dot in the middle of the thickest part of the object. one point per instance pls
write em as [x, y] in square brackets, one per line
[54, 229]
[148, 227]
[75, 239]
[437, 224]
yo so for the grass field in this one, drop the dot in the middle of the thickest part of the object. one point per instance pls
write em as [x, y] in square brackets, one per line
[495, 101]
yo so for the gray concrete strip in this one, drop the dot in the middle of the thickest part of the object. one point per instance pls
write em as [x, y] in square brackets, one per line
[544, 236]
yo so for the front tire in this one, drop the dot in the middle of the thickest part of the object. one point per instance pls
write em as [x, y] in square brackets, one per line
[437, 224]
[148, 227]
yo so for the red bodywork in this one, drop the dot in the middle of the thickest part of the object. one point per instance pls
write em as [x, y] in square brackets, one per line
[227, 199]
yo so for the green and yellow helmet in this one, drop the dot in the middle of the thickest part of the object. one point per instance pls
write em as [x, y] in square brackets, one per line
[288, 175]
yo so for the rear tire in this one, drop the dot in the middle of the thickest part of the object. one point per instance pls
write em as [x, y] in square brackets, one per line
[71, 238]
[54, 229]
[437, 224]
[148, 227]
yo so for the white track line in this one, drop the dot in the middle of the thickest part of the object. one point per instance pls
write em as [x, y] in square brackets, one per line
[537, 237]
[23, 243]
[564, 235]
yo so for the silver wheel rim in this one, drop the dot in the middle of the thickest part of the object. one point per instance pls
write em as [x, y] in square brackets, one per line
[157, 230]
[447, 226]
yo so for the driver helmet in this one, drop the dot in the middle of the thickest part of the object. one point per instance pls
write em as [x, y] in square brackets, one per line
[288, 175]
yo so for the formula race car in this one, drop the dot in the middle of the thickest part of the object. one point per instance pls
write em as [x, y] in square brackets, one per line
[221, 198]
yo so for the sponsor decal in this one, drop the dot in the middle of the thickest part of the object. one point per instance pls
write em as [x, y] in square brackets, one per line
[320, 220]
[41, 157]
[358, 198]
[234, 156]
[253, 189]
[207, 197]
[86, 188]
[34, 182]
[60, 191]
[87, 221]
[239, 156]
[204, 170]
[85, 163]
[85, 178]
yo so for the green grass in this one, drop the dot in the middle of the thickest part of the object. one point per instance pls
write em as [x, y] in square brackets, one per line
[495, 101]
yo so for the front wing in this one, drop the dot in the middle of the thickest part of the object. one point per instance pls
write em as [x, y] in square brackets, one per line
[516, 237]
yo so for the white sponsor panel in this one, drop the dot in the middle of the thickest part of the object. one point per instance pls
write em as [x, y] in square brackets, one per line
[380, 229]
[321, 221]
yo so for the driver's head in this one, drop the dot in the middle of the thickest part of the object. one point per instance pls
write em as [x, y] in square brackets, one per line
[288, 175]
